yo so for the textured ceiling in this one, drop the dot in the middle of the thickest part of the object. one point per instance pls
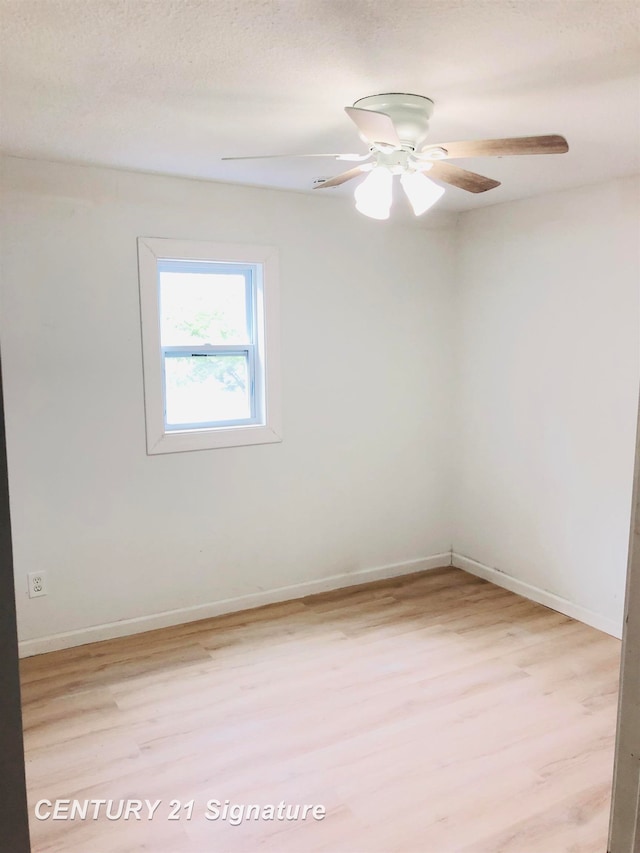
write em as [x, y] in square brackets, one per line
[171, 86]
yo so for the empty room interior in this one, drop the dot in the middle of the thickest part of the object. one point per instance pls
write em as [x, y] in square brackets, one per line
[320, 363]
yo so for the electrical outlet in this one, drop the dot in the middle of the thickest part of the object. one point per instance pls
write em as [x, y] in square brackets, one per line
[37, 584]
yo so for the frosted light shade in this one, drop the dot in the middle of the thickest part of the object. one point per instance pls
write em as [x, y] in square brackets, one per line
[374, 195]
[421, 192]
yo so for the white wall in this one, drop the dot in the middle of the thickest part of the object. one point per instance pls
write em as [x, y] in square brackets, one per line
[547, 346]
[361, 479]
[475, 388]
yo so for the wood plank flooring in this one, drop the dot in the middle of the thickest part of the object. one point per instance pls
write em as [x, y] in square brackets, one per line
[433, 713]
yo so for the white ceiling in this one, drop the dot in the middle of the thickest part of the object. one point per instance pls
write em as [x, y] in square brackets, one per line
[171, 86]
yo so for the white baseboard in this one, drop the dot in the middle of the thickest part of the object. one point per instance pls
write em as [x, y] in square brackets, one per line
[137, 625]
[541, 596]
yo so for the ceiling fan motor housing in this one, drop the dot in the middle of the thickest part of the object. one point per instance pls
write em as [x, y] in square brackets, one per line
[410, 114]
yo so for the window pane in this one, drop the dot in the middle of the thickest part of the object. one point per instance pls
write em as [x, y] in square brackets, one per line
[206, 389]
[203, 308]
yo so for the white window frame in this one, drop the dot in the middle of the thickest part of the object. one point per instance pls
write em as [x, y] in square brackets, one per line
[265, 424]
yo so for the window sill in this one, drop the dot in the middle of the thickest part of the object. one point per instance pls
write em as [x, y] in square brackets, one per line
[180, 441]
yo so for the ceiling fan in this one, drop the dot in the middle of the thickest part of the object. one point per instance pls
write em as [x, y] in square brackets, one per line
[395, 127]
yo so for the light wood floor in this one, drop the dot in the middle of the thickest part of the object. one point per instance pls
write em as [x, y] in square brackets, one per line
[432, 713]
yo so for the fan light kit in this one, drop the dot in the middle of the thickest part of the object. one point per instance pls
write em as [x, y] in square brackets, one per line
[395, 128]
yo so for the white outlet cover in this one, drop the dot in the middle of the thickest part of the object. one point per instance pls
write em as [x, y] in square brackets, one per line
[37, 584]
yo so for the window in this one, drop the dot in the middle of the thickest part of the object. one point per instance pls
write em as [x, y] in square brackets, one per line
[209, 344]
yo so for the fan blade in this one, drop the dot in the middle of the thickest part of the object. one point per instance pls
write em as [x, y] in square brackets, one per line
[375, 127]
[345, 176]
[458, 177]
[553, 144]
[278, 156]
